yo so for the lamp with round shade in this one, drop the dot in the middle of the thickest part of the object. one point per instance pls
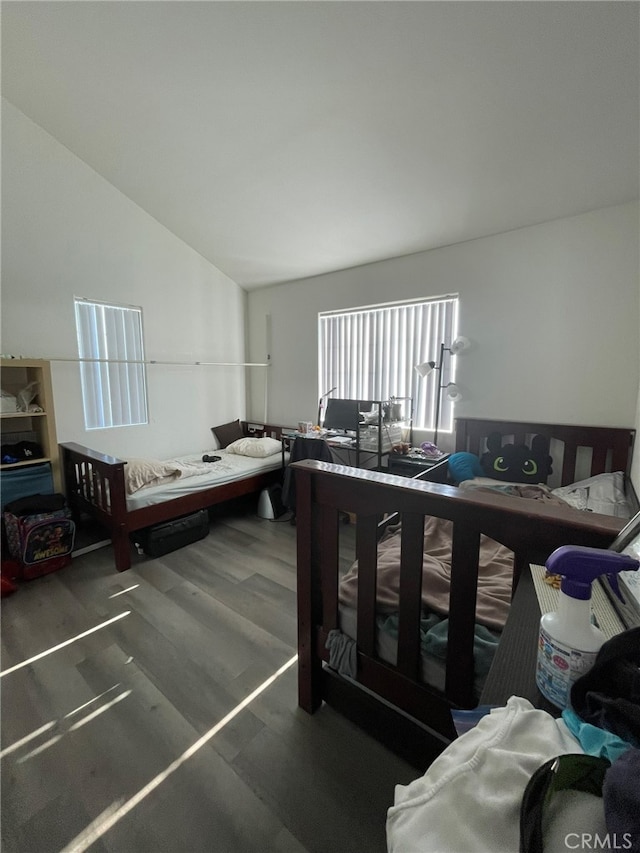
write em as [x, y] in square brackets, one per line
[453, 393]
[459, 345]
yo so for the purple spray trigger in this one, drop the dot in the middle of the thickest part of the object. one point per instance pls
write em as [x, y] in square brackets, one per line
[579, 566]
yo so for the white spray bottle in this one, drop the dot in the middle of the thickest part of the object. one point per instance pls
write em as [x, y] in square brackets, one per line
[569, 642]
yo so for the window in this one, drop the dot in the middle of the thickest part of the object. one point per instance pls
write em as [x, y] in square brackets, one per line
[370, 354]
[114, 389]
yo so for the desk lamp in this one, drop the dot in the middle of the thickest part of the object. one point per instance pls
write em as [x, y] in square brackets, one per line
[323, 397]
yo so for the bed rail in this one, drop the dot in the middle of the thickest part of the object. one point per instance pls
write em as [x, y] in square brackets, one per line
[531, 529]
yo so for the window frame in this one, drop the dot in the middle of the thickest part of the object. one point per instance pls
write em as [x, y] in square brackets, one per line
[424, 324]
[113, 376]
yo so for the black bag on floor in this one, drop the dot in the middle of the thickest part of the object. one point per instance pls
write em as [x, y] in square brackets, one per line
[171, 535]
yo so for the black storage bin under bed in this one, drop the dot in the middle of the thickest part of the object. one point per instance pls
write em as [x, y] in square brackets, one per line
[171, 535]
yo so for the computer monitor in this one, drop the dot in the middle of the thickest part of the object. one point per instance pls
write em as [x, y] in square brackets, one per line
[344, 415]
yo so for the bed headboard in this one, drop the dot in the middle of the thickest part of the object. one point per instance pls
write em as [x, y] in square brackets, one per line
[578, 452]
[260, 429]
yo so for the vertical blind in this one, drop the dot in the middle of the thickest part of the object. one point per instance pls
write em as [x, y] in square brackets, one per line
[113, 393]
[371, 353]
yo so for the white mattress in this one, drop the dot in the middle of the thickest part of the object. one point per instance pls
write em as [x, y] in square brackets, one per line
[228, 469]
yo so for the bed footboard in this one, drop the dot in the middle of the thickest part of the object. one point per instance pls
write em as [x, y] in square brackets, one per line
[94, 484]
[531, 529]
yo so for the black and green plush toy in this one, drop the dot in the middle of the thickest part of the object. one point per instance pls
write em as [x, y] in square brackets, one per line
[517, 463]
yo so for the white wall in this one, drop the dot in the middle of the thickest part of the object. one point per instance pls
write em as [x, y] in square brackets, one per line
[67, 232]
[552, 311]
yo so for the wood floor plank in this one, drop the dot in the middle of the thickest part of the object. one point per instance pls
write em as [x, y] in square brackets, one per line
[196, 640]
[271, 592]
[277, 570]
[238, 564]
[235, 638]
[285, 842]
[252, 607]
[48, 604]
[159, 574]
[201, 698]
[206, 807]
[322, 813]
[112, 714]
[49, 830]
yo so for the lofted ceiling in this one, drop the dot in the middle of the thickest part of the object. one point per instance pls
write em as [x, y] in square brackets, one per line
[283, 140]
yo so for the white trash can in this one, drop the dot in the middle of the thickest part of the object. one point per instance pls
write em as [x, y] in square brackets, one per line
[265, 507]
[270, 502]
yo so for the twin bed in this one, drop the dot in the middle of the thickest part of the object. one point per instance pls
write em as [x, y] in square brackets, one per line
[125, 497]
[363, 634]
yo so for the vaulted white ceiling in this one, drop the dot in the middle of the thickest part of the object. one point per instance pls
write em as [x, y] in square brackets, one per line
[286, 139]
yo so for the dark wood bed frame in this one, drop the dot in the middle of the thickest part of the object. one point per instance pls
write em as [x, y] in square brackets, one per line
[391, 702]
[94, 485]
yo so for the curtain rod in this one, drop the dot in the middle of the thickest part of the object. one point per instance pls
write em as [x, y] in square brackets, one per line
[154, 361]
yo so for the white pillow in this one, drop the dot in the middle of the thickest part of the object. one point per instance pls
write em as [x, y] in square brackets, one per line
[257, 447]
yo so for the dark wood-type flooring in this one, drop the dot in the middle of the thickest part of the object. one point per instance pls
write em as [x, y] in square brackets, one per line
[100, 738]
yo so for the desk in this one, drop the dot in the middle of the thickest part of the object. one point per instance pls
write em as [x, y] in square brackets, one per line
[334, 443]
[514, 665]
[348, 453]
[344, 450]
[513, 671]
[409, 466]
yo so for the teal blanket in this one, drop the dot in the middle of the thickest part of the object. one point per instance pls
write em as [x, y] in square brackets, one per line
[433, 639]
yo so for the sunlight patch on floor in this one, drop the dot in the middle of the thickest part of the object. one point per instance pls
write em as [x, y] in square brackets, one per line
[62, 724]
[122, 591]
[64, 644]
[105, 821]
[27, 738]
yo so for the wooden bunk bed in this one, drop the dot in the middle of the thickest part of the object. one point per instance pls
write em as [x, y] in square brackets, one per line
[390, 699]
[95, 486]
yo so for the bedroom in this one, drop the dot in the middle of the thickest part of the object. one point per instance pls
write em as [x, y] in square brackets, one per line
[568, 279]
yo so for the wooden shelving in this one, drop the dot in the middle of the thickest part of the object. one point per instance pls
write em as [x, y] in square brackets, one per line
[40, 427]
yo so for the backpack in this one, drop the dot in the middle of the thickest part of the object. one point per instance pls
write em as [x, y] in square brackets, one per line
[40, 534]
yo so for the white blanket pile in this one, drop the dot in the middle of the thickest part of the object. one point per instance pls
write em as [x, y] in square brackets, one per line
[469, 799]
[142, 473]
[603, 493]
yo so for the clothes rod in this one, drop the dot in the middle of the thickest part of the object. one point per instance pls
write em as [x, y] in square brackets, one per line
[154, 361]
